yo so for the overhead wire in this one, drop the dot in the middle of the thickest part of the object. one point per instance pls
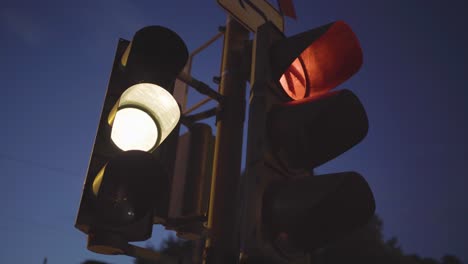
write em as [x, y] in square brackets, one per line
[37, 164]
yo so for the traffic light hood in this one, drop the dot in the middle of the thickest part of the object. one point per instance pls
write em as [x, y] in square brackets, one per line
[313, 211]
[155, 55]
[317, 60]
[307, 133]
[125, 190]
[127, 193]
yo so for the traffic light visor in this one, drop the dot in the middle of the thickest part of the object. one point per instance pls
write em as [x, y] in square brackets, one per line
[313, 211]
[318, 60]
[307, 133]
[127, 187]
[155, 55]
[146, 114]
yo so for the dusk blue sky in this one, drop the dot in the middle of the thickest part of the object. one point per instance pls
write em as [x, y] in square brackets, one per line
[56, 58]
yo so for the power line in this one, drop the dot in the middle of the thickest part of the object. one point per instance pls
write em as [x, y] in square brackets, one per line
[32, 163]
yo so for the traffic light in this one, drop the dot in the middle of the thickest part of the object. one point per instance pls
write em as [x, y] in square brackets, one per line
[128, 178]
[295, 125]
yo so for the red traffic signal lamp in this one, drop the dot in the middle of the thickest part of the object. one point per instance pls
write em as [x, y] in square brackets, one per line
[295, 125]
[315, 61]
[128, 180]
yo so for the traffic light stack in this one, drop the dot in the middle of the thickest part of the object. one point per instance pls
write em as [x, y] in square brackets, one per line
[128, 178]
[295, 125]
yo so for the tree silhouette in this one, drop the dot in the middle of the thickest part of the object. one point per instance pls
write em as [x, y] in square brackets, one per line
[171, 246]
[364, 246]
[449, 259]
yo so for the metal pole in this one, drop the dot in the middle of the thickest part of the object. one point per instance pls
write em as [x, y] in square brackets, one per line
[222, 245]
[180, 87]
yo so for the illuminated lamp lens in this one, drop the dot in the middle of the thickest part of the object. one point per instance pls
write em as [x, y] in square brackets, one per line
[328, 61]
[134, 129]
[294, 81]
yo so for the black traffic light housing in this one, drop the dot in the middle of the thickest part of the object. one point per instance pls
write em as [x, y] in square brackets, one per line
[295, 125]
[126, 190]
[312, 131]
[310, 212]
